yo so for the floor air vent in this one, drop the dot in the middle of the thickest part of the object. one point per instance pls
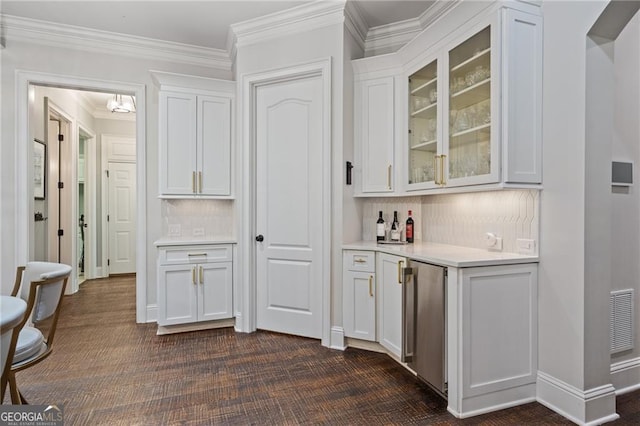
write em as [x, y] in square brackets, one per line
[621, 320]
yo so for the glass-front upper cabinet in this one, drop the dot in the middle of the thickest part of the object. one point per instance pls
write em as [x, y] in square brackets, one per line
[423, 125]
[469, 146]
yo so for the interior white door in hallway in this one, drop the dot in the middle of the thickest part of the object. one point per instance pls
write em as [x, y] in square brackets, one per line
[289, 206]
[60, 230]
[122, 218]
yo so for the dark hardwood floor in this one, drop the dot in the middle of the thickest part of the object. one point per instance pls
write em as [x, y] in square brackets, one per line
[106, 369]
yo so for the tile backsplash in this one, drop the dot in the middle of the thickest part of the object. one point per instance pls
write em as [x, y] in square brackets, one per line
[463, 219]
[215, 218]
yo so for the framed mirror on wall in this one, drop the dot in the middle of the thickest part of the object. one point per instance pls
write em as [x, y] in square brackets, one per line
[39, 169]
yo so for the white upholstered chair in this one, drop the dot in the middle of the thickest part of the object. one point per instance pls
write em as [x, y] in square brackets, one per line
[41, 285]
[12, 310]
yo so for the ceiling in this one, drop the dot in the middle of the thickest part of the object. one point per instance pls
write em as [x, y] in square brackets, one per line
[202, 23]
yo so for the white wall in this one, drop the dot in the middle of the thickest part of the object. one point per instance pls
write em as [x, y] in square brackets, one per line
[562, 299]
[625, 205]
[348, 223]
[312, 45]
[598, 242]
[19, 55]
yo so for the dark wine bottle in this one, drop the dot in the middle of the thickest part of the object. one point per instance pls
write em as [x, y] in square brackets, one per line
[380, 228]
[395, 227]
[409, 228]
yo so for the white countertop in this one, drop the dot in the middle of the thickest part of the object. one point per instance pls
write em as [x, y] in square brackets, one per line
[445, 255]
[192, 241]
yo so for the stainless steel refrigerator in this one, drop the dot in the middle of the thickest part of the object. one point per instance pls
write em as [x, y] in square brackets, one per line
[423, 323]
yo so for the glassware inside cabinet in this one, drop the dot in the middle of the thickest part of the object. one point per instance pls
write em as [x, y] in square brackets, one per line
[470, 107]
[423, 124]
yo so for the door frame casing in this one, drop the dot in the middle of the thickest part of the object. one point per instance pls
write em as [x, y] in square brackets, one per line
[90, 197]
[245, 289]
[105, 139]
[24, 175]
[53, 112]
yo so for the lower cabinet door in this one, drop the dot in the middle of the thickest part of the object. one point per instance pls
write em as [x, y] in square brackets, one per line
[389, 274]
[215, 291]
[177, 296]
[359, 305]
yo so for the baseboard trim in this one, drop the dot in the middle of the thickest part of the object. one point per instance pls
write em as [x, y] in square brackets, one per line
[152, 313]
[337, 339]
[625, 376]
[492, 408]
[590, 407]
[196, 326]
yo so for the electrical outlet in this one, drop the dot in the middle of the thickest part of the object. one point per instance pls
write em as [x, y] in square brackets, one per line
[175, 230]
[525, 246]
[198, 232]
[492, 241]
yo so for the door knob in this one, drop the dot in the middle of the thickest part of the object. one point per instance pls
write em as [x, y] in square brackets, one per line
[260, 238]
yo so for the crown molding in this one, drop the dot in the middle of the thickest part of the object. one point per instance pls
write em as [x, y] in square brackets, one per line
[355, 23]
[106, 115]
[180, 82]
[389, 38]
[437, 10]
[298, 19]
[69, 36]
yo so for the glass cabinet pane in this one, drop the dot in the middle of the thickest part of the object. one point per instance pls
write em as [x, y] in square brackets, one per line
[423, 124]
[470, 107]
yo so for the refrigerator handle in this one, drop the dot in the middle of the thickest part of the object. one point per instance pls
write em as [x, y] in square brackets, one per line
[408, 314]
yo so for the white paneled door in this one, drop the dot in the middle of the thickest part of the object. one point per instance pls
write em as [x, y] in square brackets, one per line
[122, 218]
[289, 223]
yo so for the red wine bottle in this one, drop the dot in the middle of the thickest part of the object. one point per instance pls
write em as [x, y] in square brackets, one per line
[409, 228]
[380, 228]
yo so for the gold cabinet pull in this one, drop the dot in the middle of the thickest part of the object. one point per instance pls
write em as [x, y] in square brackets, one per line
[371, 285]
[201, 275]
[193, 182]
[200, 182]
[359, 260]
[400, 263]
[196, 254]
[193, 275]
[435, 169]
[442, 164]
[389, 176]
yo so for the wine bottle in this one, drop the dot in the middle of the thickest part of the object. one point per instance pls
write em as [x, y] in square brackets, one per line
[409, 228]
[380, 228]
[395, 227]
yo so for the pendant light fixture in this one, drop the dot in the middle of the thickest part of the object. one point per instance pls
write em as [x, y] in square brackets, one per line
[119, 103]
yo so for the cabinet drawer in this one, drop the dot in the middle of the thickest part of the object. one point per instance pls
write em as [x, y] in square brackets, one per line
[364, 261]
[195, 254]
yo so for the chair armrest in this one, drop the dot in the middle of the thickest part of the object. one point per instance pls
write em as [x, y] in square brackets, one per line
[16, 285]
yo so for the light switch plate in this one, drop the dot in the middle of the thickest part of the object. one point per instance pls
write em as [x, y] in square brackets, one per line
[175, 230]
[526, 246]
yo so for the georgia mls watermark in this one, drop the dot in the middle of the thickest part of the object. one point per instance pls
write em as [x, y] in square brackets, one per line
[31, 415]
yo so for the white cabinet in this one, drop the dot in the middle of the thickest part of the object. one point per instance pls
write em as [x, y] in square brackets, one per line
[389, 275]
[374, 133]
[467, 107]
[359, 295]
[492, 334]
[195, 134]
[195, 283]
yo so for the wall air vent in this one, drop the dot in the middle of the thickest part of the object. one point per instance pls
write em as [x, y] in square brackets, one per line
[621, 326]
